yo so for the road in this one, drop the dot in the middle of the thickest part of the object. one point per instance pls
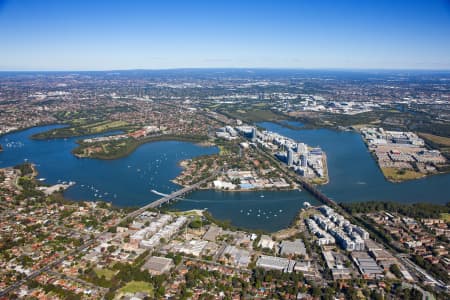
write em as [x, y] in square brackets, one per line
[168, 198]
[46, 268]
[88, 243]
[421, 272]
[304, 183]
[80, 281]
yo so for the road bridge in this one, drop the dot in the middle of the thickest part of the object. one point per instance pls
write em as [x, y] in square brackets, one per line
[133, 214]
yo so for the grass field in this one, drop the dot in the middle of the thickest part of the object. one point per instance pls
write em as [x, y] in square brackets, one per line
[441, 143]
[223, 150]
[446, 217]
[83, 129]
[103, 126]
[394, 174]
[260, 105]
[255, 115]
[104, 272]
[192, 212]
[138, 286]
[439, 140]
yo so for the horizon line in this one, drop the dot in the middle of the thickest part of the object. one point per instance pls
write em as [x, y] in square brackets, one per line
[225, 68]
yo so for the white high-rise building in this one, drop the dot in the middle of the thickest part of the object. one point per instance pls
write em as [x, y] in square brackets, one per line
[302, 148]
[254, 134]
[304, 160]
[290, 157]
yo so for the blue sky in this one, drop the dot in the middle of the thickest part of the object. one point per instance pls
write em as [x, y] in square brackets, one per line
[116, 34]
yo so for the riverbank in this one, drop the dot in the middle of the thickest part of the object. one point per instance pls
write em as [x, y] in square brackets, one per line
[110, 150]
[84, 129]
[403, 156]
[184, 164]
[326, 178]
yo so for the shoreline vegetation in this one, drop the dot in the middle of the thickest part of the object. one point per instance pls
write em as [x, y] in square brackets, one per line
[434, 136]
[110, 150]
[415, 210]
[395, 175]
[399, 175]
[252, 168]
[185, 163]
[81, 127]
[84, 128]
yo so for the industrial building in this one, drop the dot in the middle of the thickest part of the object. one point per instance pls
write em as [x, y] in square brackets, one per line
[275, 263]
[156, 265]
[297, 247]
[367, 265]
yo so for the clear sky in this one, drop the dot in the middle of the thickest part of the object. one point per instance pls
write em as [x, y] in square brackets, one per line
[116, 34]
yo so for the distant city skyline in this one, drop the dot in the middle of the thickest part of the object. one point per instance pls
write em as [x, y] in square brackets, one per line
[118, 35]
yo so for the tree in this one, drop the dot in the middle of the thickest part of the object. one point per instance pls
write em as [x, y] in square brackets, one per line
[395, 270]
[195, 224]
[316, 292]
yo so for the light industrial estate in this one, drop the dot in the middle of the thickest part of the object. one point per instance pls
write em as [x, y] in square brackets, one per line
[402, 155]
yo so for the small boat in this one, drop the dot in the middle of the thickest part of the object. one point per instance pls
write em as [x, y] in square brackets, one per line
[261, 196]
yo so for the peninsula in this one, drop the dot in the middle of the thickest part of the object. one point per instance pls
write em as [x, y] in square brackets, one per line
[403, 155]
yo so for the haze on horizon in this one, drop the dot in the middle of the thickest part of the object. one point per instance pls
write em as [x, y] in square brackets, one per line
[113, 35]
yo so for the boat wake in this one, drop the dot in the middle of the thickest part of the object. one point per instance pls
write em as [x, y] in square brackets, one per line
[158, 193]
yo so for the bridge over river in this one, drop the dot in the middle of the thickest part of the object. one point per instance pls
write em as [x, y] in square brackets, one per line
[85, 245]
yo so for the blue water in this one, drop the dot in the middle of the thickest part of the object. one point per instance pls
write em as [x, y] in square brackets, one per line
[354, 173]
[125, 182]
[274, 211]
[354, 176]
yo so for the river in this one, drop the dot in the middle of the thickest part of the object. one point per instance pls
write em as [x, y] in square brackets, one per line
[126, 181]
[354, 176]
